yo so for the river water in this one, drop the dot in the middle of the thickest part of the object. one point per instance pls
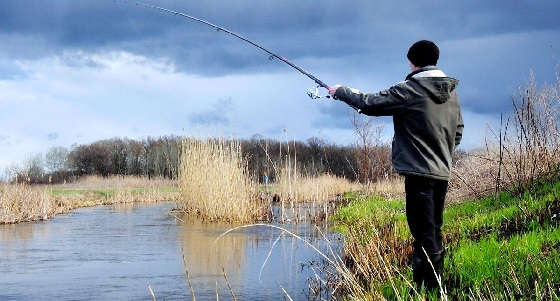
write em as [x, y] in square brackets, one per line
[114, 253]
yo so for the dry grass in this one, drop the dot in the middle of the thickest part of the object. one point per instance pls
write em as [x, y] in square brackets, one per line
[216, 185]
[23, 203]
[20, 202]
[390, 189]
[215, 182]
[292, 186]
[524, 149]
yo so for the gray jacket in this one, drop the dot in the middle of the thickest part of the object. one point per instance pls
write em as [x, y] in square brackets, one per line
[426, 117]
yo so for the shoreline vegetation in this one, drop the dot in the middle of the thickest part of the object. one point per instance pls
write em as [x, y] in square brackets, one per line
[27, 203]
[216, 185]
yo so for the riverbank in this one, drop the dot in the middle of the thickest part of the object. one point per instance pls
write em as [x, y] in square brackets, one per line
[25, 203]
[503, 247]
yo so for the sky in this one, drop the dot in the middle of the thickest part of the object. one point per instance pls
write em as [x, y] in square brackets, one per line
[73, 72]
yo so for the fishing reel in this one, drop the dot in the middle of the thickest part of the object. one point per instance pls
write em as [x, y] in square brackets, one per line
[313, 93]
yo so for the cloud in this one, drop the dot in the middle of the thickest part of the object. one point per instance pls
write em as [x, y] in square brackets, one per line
[93, 69]
[297, 29]
[52, 136]
[218, 115]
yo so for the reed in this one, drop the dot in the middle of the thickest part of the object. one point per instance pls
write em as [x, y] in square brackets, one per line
[523, 150]
[390, 188]
[293, 186]
[20, 202]
[24, 203]
[215, 183]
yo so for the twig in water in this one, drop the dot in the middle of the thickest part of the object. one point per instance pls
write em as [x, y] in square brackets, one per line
[188, 275]
[217, 295]
[152, 293]
[269, 253]
[287, 295]
[229, 286]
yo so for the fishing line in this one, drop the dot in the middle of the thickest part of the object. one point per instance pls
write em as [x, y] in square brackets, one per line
[313, 93]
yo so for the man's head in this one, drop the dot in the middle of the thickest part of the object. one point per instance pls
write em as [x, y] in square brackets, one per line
[423, 53]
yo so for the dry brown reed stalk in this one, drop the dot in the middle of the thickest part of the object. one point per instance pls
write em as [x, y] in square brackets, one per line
[229, 286]
[215, 182]
[292, 186]
[391, 188]
[524, 149]
[152, 293]
[21, 202]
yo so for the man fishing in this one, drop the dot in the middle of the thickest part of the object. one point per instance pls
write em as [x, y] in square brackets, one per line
[428, 127]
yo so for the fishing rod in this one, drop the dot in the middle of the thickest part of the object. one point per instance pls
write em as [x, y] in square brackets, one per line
[312, 93]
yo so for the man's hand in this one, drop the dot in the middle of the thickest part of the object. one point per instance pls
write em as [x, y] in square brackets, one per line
[332, 90]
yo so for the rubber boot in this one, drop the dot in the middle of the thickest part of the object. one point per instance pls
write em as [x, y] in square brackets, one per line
[430, 280]
[418, 269]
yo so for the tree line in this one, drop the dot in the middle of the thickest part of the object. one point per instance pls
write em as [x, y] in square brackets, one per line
[159, 157]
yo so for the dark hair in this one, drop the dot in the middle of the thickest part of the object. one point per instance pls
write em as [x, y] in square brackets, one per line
[423, 53]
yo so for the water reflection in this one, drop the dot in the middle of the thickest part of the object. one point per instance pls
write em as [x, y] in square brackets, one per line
[243, 253]
[114, 252]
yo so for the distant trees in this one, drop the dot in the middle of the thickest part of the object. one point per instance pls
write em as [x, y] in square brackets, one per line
[159, 157]
[149, 157]
[315, 156]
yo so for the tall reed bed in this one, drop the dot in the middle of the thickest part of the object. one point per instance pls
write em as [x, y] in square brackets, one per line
[20, 202]
[294, 184]
[215, 181]
[24, 203]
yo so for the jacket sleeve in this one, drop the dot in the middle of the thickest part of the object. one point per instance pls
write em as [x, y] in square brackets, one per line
[459, 132]
[385, 103]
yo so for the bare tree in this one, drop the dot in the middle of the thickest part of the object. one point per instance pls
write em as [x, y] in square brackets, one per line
[56, 159]
[372, 156]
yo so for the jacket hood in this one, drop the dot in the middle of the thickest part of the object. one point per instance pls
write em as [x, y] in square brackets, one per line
[435, 82]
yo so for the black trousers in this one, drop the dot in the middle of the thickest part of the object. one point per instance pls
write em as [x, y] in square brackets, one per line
[424, 212]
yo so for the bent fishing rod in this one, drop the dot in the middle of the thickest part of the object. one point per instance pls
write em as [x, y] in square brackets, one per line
[312, 93]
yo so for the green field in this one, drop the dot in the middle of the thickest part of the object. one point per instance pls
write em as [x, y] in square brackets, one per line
[503, 247]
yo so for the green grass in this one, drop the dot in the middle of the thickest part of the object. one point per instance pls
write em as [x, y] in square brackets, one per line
[530, 256]
[105, 193]
[501, 245]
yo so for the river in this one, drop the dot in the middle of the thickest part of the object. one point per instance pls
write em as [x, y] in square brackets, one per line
[115, 252]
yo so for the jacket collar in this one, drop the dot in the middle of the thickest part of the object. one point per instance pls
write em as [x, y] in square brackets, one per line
[430, 70]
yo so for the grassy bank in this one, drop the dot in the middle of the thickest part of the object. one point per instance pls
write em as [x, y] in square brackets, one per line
[23, 203]
[503, 247]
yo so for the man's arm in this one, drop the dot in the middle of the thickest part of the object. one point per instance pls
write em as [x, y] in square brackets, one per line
[385, 103]
[459, 132]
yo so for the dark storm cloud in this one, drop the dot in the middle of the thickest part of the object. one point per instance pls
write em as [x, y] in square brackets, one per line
[298, 28]
[488, 45]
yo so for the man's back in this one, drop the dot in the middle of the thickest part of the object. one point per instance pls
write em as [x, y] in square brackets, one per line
[426, 116]
[429, 125]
